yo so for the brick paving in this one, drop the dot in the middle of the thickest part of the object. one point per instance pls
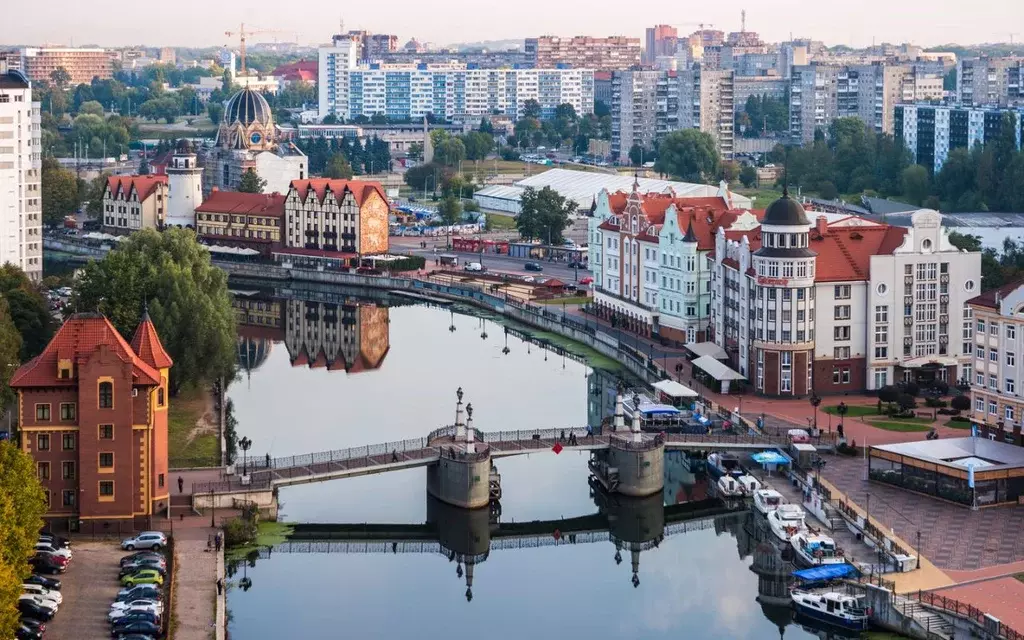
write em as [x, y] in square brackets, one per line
[88, 588]
[195, 589]
[1000, 597]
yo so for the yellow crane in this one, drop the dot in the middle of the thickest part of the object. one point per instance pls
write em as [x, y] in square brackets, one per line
[242, 34]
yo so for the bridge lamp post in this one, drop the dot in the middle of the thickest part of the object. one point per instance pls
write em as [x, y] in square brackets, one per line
[815, 401]
[245, 444]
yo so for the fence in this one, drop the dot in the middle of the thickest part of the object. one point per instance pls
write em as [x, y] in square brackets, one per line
[964, 610]
[232, 485]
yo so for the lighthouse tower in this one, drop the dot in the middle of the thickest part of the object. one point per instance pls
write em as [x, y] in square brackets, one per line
[185, 187]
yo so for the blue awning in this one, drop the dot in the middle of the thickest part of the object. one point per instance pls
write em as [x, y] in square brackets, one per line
[827, 572]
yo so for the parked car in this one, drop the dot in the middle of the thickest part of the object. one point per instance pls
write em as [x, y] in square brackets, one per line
[140, 627]
[133, 615]
[42, 601]
[27, 633]
[32, 609]
[146, 540]
[145, 561]
[474, 266]
[129, 569]
[136, 636]
[47, 564]
[50, 583]
[43, 592]
[46, 547]
[533, 266]
[142, 576]
[140, 592]
[139, 603]
[56, 541]
[587, 280]
[32, 623]
[576, 264]
[132, 557]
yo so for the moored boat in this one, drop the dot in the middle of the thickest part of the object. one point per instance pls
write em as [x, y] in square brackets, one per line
[729, 487]
[837, 609]
[767, 500]
[786, 521]
[749, 484]
[723, 463]
[815, 549]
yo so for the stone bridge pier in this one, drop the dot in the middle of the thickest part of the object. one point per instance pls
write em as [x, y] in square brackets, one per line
[461, 477]
[634, 462]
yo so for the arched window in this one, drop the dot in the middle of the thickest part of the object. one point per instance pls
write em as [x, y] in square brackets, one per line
[106, 395]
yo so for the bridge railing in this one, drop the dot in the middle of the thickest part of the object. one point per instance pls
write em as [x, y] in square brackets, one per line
[340, 455]
[233, 485]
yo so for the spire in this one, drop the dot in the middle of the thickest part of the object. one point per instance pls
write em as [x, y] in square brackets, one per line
[690, 235]
[146, 343]
[636, 181]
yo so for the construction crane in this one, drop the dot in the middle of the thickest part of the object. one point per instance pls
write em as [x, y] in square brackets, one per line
[242, 35]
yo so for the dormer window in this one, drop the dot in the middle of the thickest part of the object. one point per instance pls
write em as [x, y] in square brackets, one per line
[64, 371]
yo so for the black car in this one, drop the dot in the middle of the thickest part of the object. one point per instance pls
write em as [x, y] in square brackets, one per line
[532, 266]
[28, 633]
[142, 627]
[133, 567]
[577, 264]
[142, 555]
[141, 592]
[32, 623]
[32, 610]
[49, 583]
[137, 616]
[56, 541]
[44, 564]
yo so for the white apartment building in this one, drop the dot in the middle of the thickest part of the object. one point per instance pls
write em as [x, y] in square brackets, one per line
[841, 306]
[333, 64]
[994, 327]
[21, 239]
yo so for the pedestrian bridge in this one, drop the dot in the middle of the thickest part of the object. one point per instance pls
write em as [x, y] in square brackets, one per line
[418, 452]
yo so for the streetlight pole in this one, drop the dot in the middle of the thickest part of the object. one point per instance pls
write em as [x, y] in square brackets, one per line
[815, 401]
[244, 444]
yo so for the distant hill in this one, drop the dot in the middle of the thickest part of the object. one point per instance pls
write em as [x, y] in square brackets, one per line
[490, 45]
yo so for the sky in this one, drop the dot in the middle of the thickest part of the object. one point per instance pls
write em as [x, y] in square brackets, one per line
[203, 23]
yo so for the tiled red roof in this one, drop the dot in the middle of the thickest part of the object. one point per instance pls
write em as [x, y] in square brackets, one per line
[360, 188]
[844, 253]
[602, 75]
[146, 343]
[301, 70]
[77, 339]
[706, 214]
[263, 204]
[143, 185]
[988, 299]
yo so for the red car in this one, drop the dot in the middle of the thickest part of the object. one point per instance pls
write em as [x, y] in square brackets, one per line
[587, 280]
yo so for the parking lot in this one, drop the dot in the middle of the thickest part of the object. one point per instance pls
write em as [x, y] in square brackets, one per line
[89, 586]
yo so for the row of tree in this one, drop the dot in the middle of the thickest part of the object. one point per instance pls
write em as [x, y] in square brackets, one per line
[345, 157]
[565, 129]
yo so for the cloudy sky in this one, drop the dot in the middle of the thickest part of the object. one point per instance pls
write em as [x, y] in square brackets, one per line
[203, 23]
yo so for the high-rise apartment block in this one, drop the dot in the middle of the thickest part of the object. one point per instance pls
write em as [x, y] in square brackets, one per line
[614, 53]
[990, 82]
[21, 239]
[661, 41]
[932, 131]
[82, 65]
[645, 106]
[707, 102]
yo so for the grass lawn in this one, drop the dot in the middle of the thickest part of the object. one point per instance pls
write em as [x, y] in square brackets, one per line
[267, 535]
[558, 301]
[190, 444]
[761, 197]
[854, 411]
[958, 425]
[907, 426]
[499, 222]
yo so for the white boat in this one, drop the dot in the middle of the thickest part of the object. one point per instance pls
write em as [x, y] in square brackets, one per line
[749, 484]
[723, 463]
[815, 549]
[837, 609]
[729, 487]
[767, 500]
[786, 521]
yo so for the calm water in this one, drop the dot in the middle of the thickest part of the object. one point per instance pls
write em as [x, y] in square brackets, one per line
[392, 377]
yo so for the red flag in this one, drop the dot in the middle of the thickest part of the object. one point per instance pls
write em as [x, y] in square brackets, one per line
[557, 448]
[557, 534]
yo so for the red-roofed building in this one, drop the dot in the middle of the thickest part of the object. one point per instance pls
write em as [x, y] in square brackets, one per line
[647, 254]
[805, 304]
[131, 203]
[244, 220]
[93, 415]
[334, 222]
[301, 71]
[337, 337]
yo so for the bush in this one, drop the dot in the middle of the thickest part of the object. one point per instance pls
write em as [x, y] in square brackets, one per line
[960, 420]
[911, 388]
[941, 387]
[846, 450]
[948, 412]
[935, 403]
[961, 403]
[888, 393]
[239, 531]
[407, 263]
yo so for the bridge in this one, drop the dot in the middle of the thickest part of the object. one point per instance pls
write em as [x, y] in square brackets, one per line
[419, 452]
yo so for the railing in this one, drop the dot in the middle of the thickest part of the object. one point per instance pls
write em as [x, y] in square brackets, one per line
[230, 486]
[963, 610]
[341, 461]
[339, 455]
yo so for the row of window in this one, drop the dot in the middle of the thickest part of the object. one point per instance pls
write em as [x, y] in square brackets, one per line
[993, 329]
[1009, 384]
[68, 411]
[993, 409]
[787, 294]
[106, 491]
[993, 356]
[105, 461]
[69, 440]
[774, 269]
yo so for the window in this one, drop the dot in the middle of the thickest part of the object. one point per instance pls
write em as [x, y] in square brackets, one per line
[981, 326]
[68, 441]
[43, 470]
[993, 329]
[881, 353]
[106, 460]
[771, 335]
[842, 292]
[993, 383]
[842, 312]
[881, 378]
[43, 412]
[1011, 359]
[68, 498]
[841, 333]
[106, 432]
[771, 294]
[67, 411]
[67, 470]
[771, 315]
[841, 353]
[993, 408]
[160, 481]
[993, 355]
[881, 334]
[1011, 332]
[43, 442]
[979, 404]
[1008, 412]
[786, 293]
[1010, 386]
[841, 375]
[800, 315]
[979, 379]
[786, 383]
[882, 313]
[106, 489]
[106, 395]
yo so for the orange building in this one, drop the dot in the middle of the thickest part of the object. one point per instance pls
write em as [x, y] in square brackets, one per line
[93, 415]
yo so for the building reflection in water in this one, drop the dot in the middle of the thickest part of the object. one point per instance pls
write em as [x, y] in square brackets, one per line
[351, 336]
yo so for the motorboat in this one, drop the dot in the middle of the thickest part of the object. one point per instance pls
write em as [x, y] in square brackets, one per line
[767, 500]
[836, 609]
[729, 487]
[723, 463]
[749, 484]
[815, 549]
[786, 521]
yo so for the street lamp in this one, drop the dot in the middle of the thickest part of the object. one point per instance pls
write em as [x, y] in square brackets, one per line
[245, 444]
[815, 401]
[842, 410]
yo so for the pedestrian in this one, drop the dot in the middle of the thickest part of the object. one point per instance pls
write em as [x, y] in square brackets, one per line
[181, 517]
[268, 460]
[181, 484]
[220, 586]
[216, 542]
[394, 455]
[590, 431]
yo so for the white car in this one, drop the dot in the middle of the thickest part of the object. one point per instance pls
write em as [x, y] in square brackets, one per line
[42, 592]
[116, 614]
[142, 603]
[40, 602]
[49, 548]
[146, 540]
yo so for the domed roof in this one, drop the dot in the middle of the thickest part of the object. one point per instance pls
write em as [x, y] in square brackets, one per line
[184, 147]
[246, 107]
[785, 212]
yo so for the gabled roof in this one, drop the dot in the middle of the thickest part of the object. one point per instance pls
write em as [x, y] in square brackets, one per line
[701, 215]
[989, 298]
[143, 185]
[146, 343]
[77, 339]
[360, 189]
[844, 253]
[264, 204]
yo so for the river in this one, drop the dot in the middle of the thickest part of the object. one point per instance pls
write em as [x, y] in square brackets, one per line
[393, 376]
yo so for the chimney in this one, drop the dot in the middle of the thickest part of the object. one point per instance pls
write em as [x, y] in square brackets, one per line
[821, 225]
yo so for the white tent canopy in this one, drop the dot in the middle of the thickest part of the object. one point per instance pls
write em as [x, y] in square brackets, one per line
[673, 389]
[707, 349]
[717, 370]
[238, 251]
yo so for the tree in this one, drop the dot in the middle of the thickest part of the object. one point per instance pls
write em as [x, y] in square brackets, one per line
[338, 168]
[477, 145]
[543, 214]
[174, 274]
[251, 182]
[688, 154]
[94, 195]
[10, 354]
[91, 107]
[22, 505]
[914, 180]
[906, 402]
[889, 394]
[415, 151]
[60, 77]
[961, 402]
[28, 309]
[730, 171]
[827, 190]
[424, 176]
[215, 110]
[60, 192]
[144, 168]
[636, 155]
[531, 109]
[450, 210]
[451, 151]
[748, 176]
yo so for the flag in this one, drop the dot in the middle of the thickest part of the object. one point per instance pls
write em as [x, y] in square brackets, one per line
[557, 448]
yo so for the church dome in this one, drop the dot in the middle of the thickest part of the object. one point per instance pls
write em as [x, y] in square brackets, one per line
[247, 107]
[785, 212]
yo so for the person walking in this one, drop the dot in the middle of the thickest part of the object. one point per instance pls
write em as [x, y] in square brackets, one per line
[181, 485]
[268, 460]
[220, 586]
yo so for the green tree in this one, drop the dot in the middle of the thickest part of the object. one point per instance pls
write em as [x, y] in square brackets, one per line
[915, 184]
[415, 151]
[748, 176]
[215, 110]
[144, 168]
[689, 155]
[91, 107]
[730, 171]
[251, 182]
[10, 354]
[174, 274]
[636, 155]
[450, 210]
[94, 195]
[22, 505]
[60, 192]
[28, 309]
[451, 151]
[544, 214]
[531, 109]
[338, 168]
[478, 145]
[60, 77]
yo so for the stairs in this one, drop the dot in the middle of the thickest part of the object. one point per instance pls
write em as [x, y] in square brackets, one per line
[835, 520]
[934, 624]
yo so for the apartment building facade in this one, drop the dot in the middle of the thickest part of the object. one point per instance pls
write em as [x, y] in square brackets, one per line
[990, 82]
[131, 203]
[614, 53]
[243, 220]
[993, 328]
[334, 220]
[930, 132]
[21, 239]
[644, 106]
[707, 102]
[660, 41]
[82, 65]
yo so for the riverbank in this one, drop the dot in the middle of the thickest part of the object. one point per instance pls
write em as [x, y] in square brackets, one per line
[192, 431]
